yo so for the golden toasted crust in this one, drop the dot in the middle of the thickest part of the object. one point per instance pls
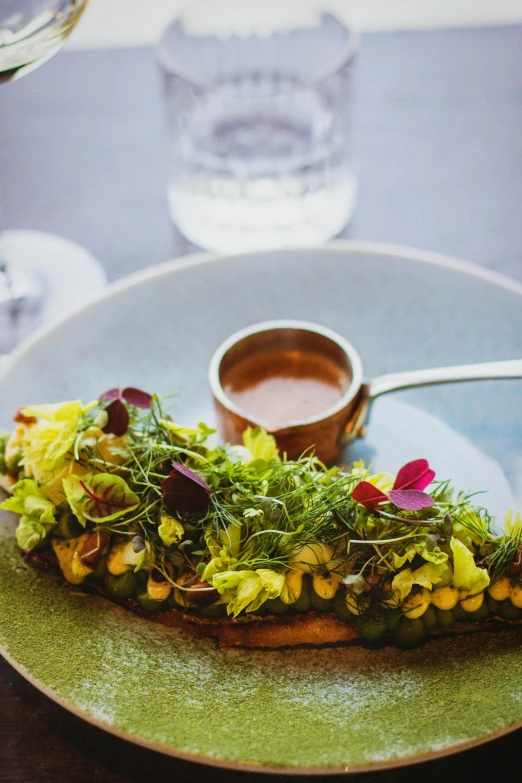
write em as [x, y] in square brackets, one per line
[272, 632]
[312, 628]
[306, 629]
[268, 632]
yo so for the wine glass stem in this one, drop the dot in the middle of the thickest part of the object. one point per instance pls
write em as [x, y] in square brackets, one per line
[19, 290]
[9, 304]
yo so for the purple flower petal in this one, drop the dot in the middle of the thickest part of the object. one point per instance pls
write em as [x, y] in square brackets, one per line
[118, 421]
[414, 475]
[137, 397]
[184, 490]
[368, 495]
[410, 499]
[112, 394]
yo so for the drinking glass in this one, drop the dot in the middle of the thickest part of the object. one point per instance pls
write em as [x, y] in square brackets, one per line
[258, 99]
[33, 265]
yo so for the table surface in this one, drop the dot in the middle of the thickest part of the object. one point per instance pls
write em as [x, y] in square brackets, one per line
[438, 152]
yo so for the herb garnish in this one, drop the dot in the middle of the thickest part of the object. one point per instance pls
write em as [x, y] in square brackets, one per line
[239, 519]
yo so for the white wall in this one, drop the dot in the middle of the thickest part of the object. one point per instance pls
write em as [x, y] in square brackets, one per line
[109, 23]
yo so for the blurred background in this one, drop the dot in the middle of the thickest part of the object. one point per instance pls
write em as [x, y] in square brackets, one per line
[434, 157]
[123, 22]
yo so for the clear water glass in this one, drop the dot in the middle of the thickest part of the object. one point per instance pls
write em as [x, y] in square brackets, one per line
[258, 100]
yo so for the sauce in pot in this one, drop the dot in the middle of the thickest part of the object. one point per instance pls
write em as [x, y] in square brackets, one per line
[279, 387]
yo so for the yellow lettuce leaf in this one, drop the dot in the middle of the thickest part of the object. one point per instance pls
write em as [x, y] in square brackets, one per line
[466, 574]
[48, 441]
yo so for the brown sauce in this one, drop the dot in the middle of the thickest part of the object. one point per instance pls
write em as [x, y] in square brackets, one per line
[278, 387]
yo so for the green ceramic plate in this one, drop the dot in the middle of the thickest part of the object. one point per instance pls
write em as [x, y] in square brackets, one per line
[318, 710]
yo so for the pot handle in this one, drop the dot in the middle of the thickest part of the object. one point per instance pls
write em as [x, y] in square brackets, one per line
[486, 371]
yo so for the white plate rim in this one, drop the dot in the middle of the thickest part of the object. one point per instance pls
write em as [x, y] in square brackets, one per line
[200, 258]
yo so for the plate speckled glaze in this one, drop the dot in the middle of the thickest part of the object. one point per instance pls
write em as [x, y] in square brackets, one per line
[313, 710]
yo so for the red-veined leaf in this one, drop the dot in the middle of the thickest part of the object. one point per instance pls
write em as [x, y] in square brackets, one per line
[414, 475]
[100, 497]
[184, 490]
[107, 496]
[368, 495]
[410, 499]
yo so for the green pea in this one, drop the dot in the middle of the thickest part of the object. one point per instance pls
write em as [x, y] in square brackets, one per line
[303, 603]
[142, 576]
[445, 618]
[146, 602]
[509, 612]
[68, 526]
[276, 606]
[100, 570]
[480, 614]
[410, 633]
[371, 627]
[321, 604]
[460, 614]
[392, 620]
[120, 587]
[430, 618]
[494, 606]
[171, 599]
[340, 608]
[180, 597]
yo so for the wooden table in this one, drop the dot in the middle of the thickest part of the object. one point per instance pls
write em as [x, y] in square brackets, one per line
[438, 119]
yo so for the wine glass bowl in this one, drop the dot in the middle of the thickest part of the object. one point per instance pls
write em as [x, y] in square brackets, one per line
[32, 31]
